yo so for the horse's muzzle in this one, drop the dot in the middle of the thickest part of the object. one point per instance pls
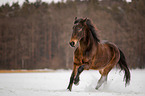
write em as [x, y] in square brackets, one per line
[72, 44]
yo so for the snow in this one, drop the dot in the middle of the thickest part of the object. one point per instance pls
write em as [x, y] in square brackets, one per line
[3, 2]
[54, 83]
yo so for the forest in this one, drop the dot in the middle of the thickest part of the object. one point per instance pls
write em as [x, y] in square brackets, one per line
[36, 35]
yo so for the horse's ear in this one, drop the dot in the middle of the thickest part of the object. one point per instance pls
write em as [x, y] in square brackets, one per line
[75, 18]
[84, 20]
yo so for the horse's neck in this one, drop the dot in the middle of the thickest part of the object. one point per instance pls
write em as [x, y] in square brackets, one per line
[86, 43]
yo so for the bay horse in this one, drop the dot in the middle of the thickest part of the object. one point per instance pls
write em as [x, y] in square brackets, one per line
[94, 54]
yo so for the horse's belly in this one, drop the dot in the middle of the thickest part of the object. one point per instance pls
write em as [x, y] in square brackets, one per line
[98, 65]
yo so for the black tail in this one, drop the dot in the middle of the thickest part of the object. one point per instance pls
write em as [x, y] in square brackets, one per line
[123, 66]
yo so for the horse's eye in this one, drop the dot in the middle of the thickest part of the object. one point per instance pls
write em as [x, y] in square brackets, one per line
[79, 29]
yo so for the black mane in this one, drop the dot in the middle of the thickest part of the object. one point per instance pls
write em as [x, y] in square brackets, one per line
[92, 29]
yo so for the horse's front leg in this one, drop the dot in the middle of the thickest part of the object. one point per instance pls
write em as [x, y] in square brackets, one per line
[72, 77]
[80, 70]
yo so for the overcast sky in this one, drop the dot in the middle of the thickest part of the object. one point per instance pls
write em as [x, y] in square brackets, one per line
[21, 1]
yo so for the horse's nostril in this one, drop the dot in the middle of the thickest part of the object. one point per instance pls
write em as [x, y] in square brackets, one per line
[72, 44]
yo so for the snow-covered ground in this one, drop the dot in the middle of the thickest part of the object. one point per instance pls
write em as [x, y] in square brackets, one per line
[54, 83]
[22, 1]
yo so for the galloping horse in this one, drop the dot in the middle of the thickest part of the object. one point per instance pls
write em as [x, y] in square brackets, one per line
[94, 54]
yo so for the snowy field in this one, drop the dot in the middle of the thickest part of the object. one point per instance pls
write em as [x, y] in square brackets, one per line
[54, 83]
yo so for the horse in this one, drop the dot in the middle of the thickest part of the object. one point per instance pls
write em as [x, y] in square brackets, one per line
[94, 54]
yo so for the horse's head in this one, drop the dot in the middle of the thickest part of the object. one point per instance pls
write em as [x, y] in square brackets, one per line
[78, 31]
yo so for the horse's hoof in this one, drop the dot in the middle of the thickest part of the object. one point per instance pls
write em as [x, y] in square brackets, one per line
[76, 83]
[96, 88]
[68, 90]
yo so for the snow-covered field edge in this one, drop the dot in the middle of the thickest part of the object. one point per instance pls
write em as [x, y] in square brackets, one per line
[54, 83]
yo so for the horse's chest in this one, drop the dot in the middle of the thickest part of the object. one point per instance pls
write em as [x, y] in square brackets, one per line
[85, 61]
[86, 58]
[82, 57]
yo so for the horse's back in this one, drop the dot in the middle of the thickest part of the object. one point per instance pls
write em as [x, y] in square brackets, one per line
[109, 44]
[104, 41]
[113, 48]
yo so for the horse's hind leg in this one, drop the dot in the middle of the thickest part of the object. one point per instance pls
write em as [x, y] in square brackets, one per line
[104, 73]
[101, 81]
